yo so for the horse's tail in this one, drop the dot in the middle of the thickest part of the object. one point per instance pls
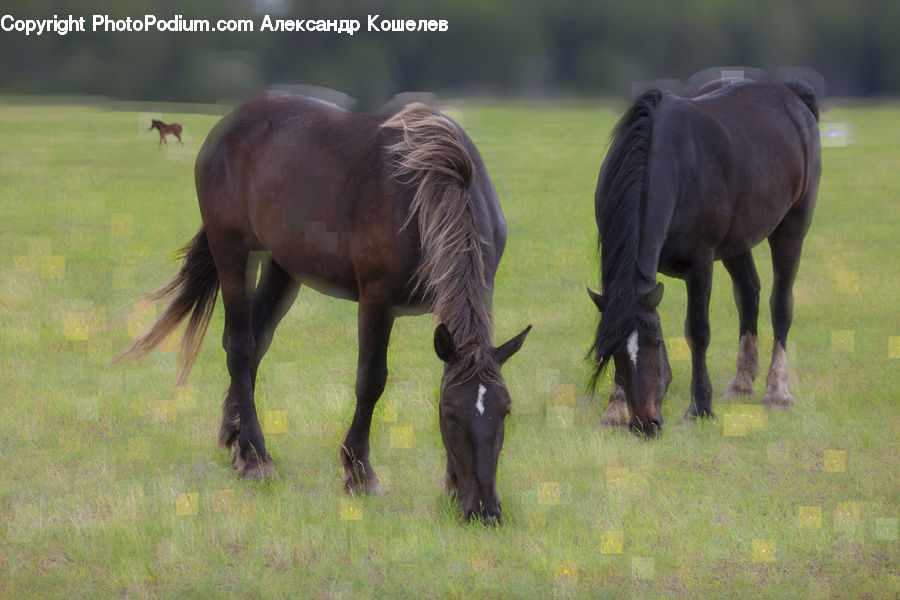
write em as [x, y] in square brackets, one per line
[619, 198]
[194, 290]
[806, 93]
[431, 154]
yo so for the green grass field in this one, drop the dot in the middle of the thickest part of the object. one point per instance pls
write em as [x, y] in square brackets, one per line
[111, 485]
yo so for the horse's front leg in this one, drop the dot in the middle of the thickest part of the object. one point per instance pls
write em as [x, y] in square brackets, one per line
[616, 414]
[696, 329]
[375, 323]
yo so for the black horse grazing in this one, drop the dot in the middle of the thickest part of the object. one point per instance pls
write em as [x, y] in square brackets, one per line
[395, 212]
[164, 130]
[687, 182]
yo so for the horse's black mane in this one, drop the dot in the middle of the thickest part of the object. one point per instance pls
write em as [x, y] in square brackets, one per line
[620, 204]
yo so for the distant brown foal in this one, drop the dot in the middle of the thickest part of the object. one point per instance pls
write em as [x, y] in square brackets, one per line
[164, 130]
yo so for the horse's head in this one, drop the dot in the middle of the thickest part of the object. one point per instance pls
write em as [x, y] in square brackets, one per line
[473, 405]
[154, 123]
[642, 365]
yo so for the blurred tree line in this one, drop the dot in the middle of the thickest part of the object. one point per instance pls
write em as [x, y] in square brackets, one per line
[492, 46]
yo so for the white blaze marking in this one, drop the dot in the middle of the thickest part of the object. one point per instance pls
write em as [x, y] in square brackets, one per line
[479, 404]
[633, 347]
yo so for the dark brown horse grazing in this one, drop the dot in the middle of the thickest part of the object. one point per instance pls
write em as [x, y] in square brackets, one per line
[395, 212]
[164, 130]
[687, 182]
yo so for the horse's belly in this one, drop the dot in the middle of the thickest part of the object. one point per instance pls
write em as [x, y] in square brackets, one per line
[318, 266]
[330, 288]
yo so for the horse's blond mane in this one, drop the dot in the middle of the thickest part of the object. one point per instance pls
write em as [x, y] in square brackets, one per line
[431, 154]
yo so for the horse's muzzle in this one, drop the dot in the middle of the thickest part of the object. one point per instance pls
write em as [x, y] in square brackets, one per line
[649, 429]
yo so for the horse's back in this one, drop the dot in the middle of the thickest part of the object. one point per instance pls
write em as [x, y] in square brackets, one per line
[289, 122]
[734, 101]
[291, 147]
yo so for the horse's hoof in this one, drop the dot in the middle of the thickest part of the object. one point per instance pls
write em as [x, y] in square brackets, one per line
[258, 472]
[359, 478]
[738, 389]
[253, 469]
[782, 400]
[703, 416]
[615, 417]
[354, 487]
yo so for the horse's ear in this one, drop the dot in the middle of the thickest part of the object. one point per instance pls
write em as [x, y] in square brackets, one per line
[444, 345]
[654, 296]
[599, 300]
[502, 353]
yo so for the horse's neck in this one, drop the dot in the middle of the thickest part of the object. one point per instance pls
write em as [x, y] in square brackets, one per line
[652, 230]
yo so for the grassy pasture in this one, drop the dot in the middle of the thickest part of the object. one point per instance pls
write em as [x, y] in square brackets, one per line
[111, 486]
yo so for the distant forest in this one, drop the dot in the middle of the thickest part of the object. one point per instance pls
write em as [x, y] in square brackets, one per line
[538, 47]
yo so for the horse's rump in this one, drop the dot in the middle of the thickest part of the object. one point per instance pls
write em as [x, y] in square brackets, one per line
[729, 165]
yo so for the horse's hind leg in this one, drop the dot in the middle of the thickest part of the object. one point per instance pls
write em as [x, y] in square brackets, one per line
[746, 286]
[375, 323]
[273, 298]
[251, 460]
[786, 243]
